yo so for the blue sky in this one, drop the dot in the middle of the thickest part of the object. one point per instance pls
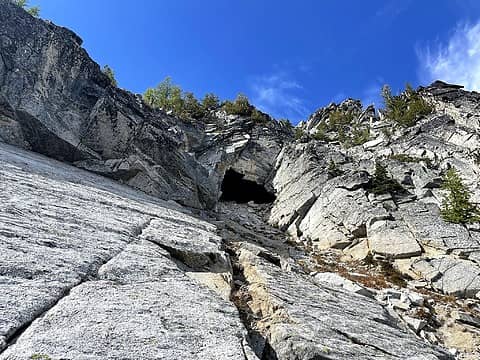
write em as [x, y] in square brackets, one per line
[288, 57]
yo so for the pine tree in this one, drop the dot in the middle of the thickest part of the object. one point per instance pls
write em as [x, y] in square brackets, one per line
[382, 183]
[210, 102]
[406, 108]
[107, 70]
[192, 106]
[34, 10]
[456, 206]
[241, 106]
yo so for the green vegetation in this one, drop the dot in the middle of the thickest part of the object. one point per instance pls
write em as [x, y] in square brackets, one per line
[456, 206]
[333, 169]
[405, 158]
[240, 106]
[107, 70]
[32, 10]
[359, 136]
[387, 132]
[191, 107]
[343, 124]
[382, 183]
[299, 133]
[320, 134]
[210, 102]
[405, 109]
[171, 97]
[258, 116]
[40, 357]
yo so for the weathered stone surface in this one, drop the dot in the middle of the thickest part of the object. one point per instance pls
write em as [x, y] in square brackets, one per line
[77, 246]
[59, 103]
[337, 280]
[340, 211]
[392, 240]
[305, 320]
[450, 275]
[430, 230]
[248, 147]
[295, 195]
[88, 243]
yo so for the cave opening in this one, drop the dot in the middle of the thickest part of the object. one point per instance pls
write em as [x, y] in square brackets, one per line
[236, 188]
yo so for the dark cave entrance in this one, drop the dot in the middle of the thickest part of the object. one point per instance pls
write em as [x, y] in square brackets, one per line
[236, 188]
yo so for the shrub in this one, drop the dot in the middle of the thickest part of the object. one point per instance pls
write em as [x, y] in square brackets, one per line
[40, 357]
[170, 97]
[339, 118]
[192, 107]
[258, 116]
[33, 10]
[333, 169]
[240, 106]
[161, 96]
[107, 70]
[405, 109]
[456, 206]
[405, 158]
[299, 133]
[343, 124]
[210, 102]
[382, 183]
[320, 134]
[387, 132]
[360, 135]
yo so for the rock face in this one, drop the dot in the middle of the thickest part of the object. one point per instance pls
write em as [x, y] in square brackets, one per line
[336, 206]
[322, 267]
[304, 320]
[110, 273]
[55, 100]
[68, 110]
[104, 274]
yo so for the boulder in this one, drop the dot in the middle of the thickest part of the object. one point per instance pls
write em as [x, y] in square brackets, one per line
[393, 240]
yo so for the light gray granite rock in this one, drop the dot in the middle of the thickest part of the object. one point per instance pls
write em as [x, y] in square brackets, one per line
[55, 100]
[337, 280]
[450, 275]
[304, 320]
[79, 273]
[393, 240]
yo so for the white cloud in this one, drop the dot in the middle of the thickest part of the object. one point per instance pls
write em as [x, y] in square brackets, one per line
[278, 95]
[455, 61]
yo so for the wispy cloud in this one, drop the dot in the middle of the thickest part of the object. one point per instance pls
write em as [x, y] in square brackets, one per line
[457, 60]
[279, 95]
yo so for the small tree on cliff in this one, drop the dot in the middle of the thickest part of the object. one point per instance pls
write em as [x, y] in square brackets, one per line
[406, 108]
[382, 183]
[33, 10]
[107, 70]
[456, 206]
